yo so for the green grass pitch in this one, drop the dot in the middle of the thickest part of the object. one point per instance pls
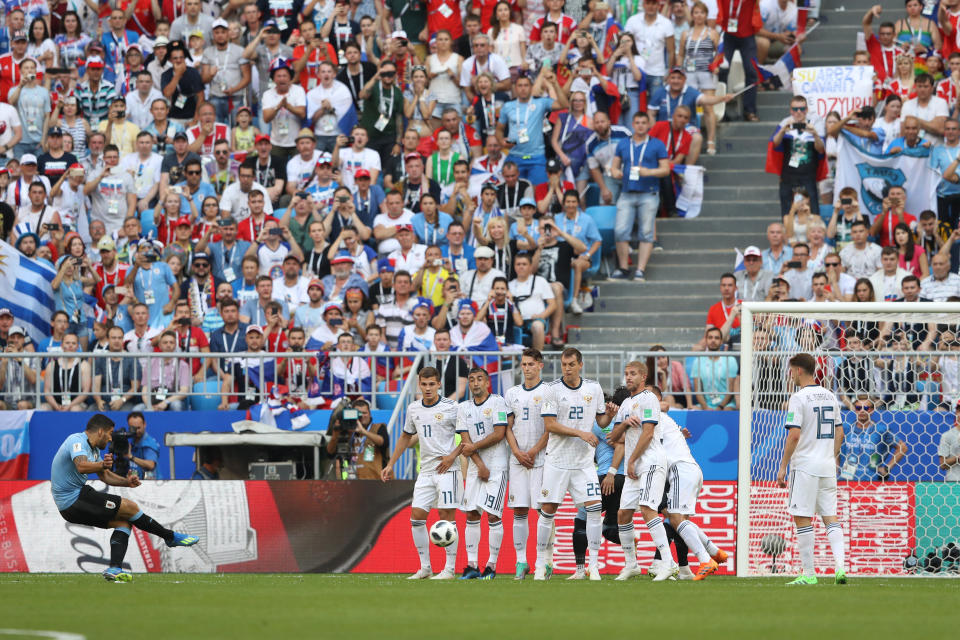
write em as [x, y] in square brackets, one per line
[365, 606]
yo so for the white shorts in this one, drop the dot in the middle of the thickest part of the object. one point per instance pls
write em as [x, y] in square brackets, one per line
[485, 495]
[525, 485]
[686, 481]
[582, 484]
[812, 495]
[646, 490]
[438, 491]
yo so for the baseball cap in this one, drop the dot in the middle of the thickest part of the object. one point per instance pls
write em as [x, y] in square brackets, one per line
[324, 158]
[469, 304]
[180, 135]
[133, 46]
[94, 62]
[54, 131]
[413, 155]
[6, 312]
[20, 35]
[679, 70]
[404, 227]
[554, 165]
[161, 41]
[247, 109]
[279, 63]
[483, 252]
[219, 23]
[95, 46]
[262, 138]
[315, 283]
[253, 328]
[528, 202]
[305, 133]
[384, 264]
[183, 220]
[332, 305]
[399, 34]
[28, 158]
[16, 330]
[195, 33]
[271, 25]
[752, 251]
[76, 166]
[342, 258]
[291, 256]
[361, 173]
[200, 255]
[106, 243]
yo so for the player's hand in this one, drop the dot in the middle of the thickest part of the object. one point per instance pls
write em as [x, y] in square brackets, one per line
[444, 465]
[483, 473]
[607, 486]
[612, 409]
[524, 458]
[782, 479]
[632, 469]
[133, 481]
[632, 421]
[589, 438]
[883, 471]
[107, 461]
[469, 449]
[686, 433]
[387, 473]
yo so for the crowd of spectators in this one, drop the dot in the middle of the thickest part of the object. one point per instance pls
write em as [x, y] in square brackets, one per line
[334, 175]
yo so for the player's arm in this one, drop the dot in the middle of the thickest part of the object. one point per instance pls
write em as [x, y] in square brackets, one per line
[551, 425]
[900, 450]
[605, 418]
[116, 480]
[84, 466]
[646, 437]
[793, 437]
[402, 443]
[521, 456]
[609, 481]
[837, 439]
[499, 432]
[469, 449]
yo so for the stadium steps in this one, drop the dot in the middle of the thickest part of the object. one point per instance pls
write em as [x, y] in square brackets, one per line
[740, 199]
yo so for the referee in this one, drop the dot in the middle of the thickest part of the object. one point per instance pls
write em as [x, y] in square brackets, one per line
[79, 503]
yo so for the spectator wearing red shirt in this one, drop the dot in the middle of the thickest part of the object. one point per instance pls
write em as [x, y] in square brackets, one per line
[249, 228]
[276, 337]
[565, 24]
[190, 339]
[740, 21]
[445, 15]
[307, 58]
[468, 146]
[549, 194]
[882, 47]
[109, 269]
[893, 214]
[725, 315]
[10, 64]
[141, 19]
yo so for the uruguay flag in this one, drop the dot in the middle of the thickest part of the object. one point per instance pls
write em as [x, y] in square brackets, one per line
[14, 444]
[25, 289]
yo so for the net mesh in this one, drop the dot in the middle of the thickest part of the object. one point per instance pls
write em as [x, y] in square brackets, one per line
[900, 511]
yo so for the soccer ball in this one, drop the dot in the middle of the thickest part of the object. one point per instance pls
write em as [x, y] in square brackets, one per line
[443, 533]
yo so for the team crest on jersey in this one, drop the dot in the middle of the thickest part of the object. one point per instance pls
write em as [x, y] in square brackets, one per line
[536, 399]
[110, 504]
[438, 416]
[487, 412]
[545, 493]
[587, 398]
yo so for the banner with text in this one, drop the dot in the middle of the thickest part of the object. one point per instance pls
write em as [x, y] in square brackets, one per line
[842, 89]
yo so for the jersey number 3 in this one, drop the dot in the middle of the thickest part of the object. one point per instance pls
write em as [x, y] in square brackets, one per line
[826, 427]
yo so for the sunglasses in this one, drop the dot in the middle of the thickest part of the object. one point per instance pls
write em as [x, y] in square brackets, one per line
[387, 74]
[831, 264]
[863, 407]
[798, 108]
[192, 173]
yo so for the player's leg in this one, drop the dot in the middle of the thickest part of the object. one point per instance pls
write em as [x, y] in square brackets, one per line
[424, 499]
[585, 489]
[652, 479]
[611, 505]
[629, 499]
[802, 501]
[100, 509]
[680, 550]
[554, 489]
[827, 508]
[580, 544]
[471, 532]
[130, 513]
[451, 492]
[494, 490]
[521, 499]
[685, 483]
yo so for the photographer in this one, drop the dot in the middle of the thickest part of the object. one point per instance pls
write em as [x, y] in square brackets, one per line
[802, 142]
[358, 447]
[143, 450]
[894, 199]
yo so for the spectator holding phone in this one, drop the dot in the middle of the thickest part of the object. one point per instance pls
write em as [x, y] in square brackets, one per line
[803, 143]
[894, 200]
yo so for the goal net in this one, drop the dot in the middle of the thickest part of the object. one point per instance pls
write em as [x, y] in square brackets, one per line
[895, 368]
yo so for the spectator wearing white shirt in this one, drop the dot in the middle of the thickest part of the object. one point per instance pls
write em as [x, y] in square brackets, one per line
[779, 30]
[284, 108]
[302, 167]
[140, 101]
[385, 224]
[860, 258]
[798, 274]
[327, 104]
[292, 287]
[534, 298]
[234, 202]
[653, 34]
[940, 284]
[477, 282]
[410, 256]
[888, 278]
[352, 155]
[931, 111]
[483, 60]
[145, 167]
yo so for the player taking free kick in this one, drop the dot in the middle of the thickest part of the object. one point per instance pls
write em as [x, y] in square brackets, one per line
[434, 419]
[815, 434]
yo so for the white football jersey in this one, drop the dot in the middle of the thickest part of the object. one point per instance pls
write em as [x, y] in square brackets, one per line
[436, 425]
[479, 420]
[674, 444]
[646, 408]
[576, 408]
[527, 421]
[816, 412]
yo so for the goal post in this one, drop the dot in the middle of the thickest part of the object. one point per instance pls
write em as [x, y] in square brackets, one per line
[864, 351]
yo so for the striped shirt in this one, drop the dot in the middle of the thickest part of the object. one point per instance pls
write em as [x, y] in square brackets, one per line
[96, 104]
[940, 290]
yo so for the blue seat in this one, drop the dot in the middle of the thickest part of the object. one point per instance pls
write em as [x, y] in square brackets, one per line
[606, 219]
[146, 223]
[386, 401]
[278, 213]
[826, 212]
[210, 399]
[591, 197]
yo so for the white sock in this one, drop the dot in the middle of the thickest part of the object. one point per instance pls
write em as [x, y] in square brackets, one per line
[521, 530]
[707, 543]
[688, 531]
[628, 541]
[544, 531]
[421, 542]
[594, 533]
[659, 535]
[835, 536]
[805, 546]
[472, 539]
[495, 540]
[451, 565]
[552, 542]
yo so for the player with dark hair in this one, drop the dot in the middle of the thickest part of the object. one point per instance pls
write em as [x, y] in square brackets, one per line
[433, 419]
[79, 503]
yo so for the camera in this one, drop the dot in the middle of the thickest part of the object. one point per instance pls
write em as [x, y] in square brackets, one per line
[800, 126]
[349, 139]
[336, 322]
[846, 201]
[120, 447]
[184, 322]
[438, 262]
[53, 226]
[77, 262]
[275, 231]
[303, 195]
[343, 199]
[793, 264]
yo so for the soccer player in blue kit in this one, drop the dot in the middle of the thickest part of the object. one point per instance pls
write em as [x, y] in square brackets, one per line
[79, 503]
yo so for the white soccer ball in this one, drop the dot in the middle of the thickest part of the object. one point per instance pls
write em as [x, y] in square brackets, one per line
[443, 533]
